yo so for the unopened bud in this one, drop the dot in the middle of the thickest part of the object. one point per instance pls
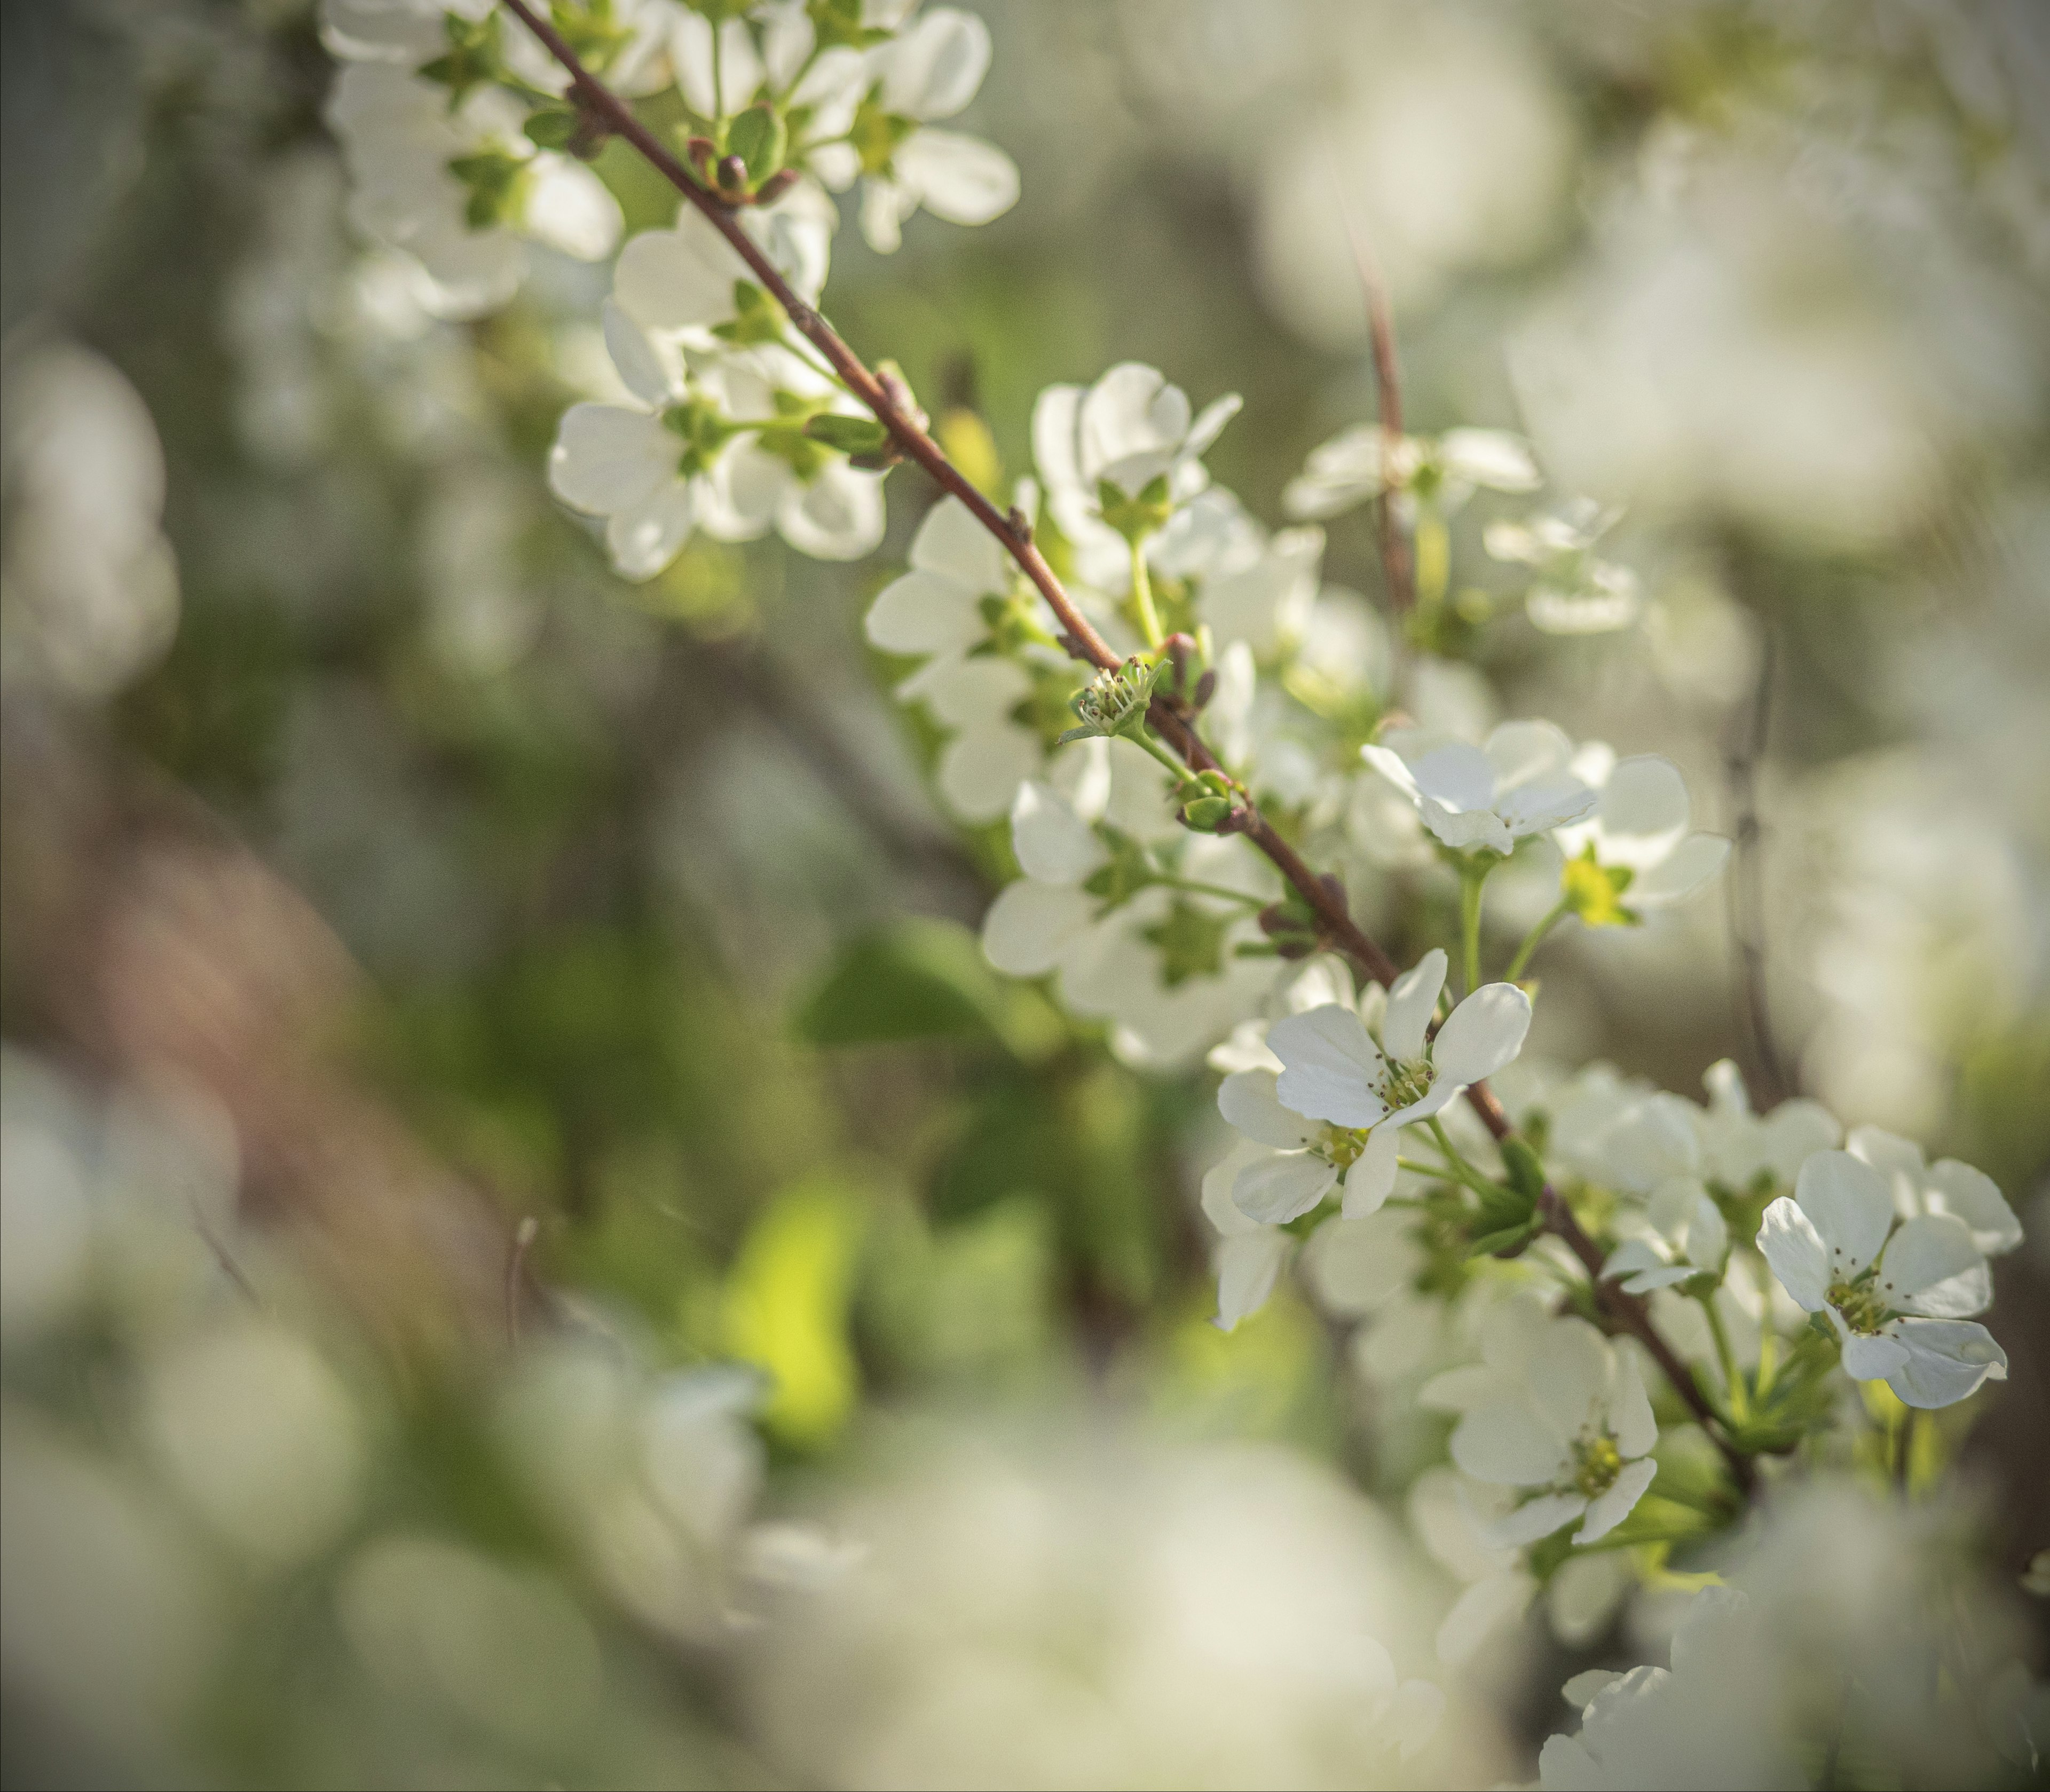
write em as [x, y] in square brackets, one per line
[701, 151]
[732, 174]
[1206, 812]
[774, 188]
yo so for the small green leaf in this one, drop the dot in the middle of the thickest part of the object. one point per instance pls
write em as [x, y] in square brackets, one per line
[553, 128]
[1488, 1244]
[1526, 1174]
[850, 435]
[758, 137]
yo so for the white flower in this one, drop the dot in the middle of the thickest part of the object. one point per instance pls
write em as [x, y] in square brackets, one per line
[1945, 1186]
[1574, 593]
[455, 188]
[1126, 431]
[1249, 1257]
[690, 283]
[1639, 827]
[1355, 465]
[682, 461]
[1333, 1072]
[1555, 1407]
[873, 117]
[1490, 796]
[1738, 1146]
[1901, 1305]
[1688, 1237]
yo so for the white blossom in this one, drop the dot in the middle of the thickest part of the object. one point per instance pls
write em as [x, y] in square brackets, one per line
[1738, 1146]
[1640, 825]
[1519, 782]
[873, 120]
[1687, 1237]
[689, 282]
[1356, 465]
[1554, 1408]
[1339, 1105]
[1128, 430]
[1945, 1186]
[1573, 594]
[1900, 1298]
[682, 460]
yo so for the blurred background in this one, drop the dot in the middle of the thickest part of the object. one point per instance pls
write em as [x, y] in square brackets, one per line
[519, 1190]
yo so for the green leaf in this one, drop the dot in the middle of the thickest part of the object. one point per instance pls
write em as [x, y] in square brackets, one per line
[850, 435]
[1526, 1174]
[758, 137]
[1489, 1242]
[912, 979]
[553, 128]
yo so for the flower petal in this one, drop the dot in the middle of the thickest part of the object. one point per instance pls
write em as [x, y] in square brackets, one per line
[1643, 812]
[645, 537]
[680, 279]
[1796, 1252]
[1490, 458]
[1053, 843]
[1533, 1519]
[1371, 1179]
[1030, 924]
[837, 516]
[642, 370]
[1521, 752]
[1609, 1509]
[606, 457]
[961, 179]
[1482, 1033]
[933, 69]
[1412, 1000]
[924, 613]
[1246, 1099]
[1684, 870]
[1851, 1207]
[952, 543]
[982, 768]
[1506, 1442]
[1571, 1375]
[1358, 1265]
[1247, 1266]
[1947, 1360]
[1868, 1358]
[1975, 1198]
[1332, 1070]
[1931, 1267]
[1630, 1417]
[1276, 1189]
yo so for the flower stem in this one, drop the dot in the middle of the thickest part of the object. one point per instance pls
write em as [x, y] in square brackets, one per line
[1434, 556]
[1732, 1377]
[1196, 887]
[1138, 735]
[1472, 877]
[1557, 912]
[1142, 595]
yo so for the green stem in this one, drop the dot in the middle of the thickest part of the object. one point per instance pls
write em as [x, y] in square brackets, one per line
[1459, 1169]
[1732, 1379]
[1558, 911]
[1473, 876]
[1196, 887]
[1434, 556]
[1142, 595]
[1137, 734]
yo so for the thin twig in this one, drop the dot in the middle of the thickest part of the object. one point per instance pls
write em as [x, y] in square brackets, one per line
[1745, 894]
[1325, 896]
[1398, 563]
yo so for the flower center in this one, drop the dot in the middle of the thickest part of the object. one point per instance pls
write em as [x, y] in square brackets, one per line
[1406, 1083]
[1597, 1463]
[1859, 1304]
[1342, 1145]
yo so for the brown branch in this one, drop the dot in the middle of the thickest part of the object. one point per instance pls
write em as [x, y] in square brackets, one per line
[1744, 892]
[1398, 564]
[1326, 898]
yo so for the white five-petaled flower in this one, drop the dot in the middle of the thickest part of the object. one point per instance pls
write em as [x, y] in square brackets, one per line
[937, 608]
[1901, 1304]
[1356, 465]
[1573, 594]
[1127, 430]
[1945, 1186]
[1555, 1407]
[1687, 1237]
[1740, 1146]
[872, 117]
[1519, 781]
[1640, 825]
[683, 461]
[1338, 1106]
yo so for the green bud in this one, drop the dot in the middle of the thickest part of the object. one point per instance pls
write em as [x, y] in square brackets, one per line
[758, 137]
[1114, 702]
[1207, 814]
[1526, 1175]
[850, 435]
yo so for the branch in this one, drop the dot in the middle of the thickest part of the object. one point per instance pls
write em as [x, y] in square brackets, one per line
[1326, 899]
[1744, 895]
[1398, 565]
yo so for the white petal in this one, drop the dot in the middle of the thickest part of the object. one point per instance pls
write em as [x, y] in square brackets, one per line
[1974, 1197]
[1358, 1265]
[924, 613]
[1457, 775]
[982, 768]
[740, 70]
[968, 694]
[569, 208]
[1371, 1179]
[1056, 430]
[1868, 1358]
[1533, 808]
[1685, 870]
[1247, 1266]
[607, 458]
[1210, 422]
[1643, 811]
[1413, 1002]
[838, 515]
[1053, 843]
[1947, 1360]
[952, 543]
[1630, 1417]
[1414, 1717]
[1506, 1442]
[1796, 1252]
[1931, 1267]
[1535, 1518]
[1571, 1374]
[739, 497]
[1246, 1100]
[1278, 1189]
[1851, 1207]
[646, 537]
[1332, 1070]
[1490, 458]
[1478, 1612]
[642, 368]
[1609, 1509]
[680, 279]
[885, 205]
[961, 179]
[933, 70]
[1482, 1033]
[1030, 926]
